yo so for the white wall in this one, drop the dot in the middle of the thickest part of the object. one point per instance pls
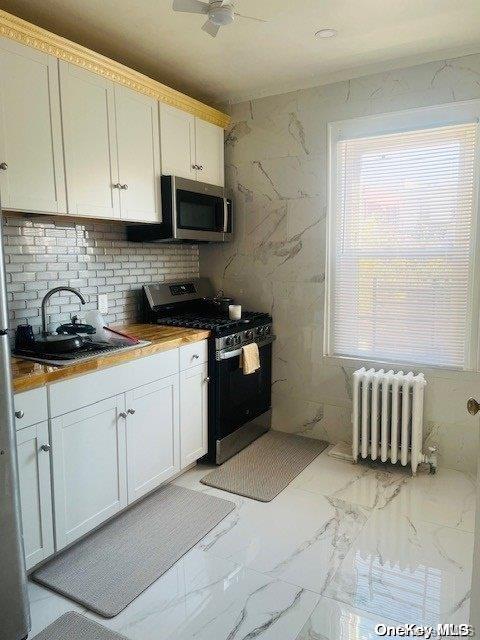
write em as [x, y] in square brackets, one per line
[276, 169]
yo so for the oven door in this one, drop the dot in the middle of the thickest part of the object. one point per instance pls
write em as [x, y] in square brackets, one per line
[200, 211]
[240, 398]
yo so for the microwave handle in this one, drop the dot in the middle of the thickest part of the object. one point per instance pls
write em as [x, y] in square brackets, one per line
[225, 215]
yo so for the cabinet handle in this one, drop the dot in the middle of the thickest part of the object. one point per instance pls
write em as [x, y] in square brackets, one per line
[195, 356]
[200, 167]
[195, 166]
[124, 186]
[122, 415]
[207, 379]
[131, 411]
[45, 447]
[3, 166]
[117, 185]
[19, 414]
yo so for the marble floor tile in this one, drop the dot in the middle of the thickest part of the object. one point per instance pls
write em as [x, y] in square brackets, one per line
[364, 484]
[412, 571]
[447, 497]
[299, 537]
[332, 620]
[46, 606]
[206, 598]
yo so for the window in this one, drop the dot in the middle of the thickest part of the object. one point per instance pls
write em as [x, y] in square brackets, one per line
[401, 255]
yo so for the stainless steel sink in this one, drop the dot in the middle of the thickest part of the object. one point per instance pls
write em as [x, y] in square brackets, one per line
[92, 351]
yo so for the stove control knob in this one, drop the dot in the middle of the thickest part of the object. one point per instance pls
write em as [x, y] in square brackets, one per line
[268, 330]
[238, 339]
[261, 331]
[249, 334]
[228, 341]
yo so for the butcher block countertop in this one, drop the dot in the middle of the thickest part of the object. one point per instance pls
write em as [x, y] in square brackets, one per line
[30, 375]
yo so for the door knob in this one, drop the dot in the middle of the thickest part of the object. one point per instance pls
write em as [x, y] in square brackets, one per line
[3, 166]
[131, 411]
[19, 414]
[472, 406]
[45, 447]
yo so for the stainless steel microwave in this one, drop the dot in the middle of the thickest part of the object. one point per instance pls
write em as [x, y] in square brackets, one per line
[191, 212]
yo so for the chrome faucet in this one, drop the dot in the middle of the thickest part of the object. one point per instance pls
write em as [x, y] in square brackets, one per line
[47, 297]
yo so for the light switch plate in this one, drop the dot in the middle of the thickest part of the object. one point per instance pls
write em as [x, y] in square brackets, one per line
[103, 303]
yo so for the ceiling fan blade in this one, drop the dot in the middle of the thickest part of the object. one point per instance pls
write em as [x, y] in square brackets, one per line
[240, 15]
[190, 6]
[211, 28]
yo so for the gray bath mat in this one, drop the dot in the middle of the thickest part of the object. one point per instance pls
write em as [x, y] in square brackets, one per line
[266, 467]
[111, 567]
[73, 626]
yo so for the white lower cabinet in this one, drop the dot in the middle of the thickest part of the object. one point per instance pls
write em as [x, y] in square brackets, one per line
[193, 414]
[89, 467]
[35, 492]
[112, 452]
[152, 436]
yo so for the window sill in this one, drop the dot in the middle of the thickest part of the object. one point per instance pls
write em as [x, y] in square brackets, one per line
[431, 370]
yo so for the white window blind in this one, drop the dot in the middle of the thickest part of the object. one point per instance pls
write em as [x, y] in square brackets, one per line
[401, 246]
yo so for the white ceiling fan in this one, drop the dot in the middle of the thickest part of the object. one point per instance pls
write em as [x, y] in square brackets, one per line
[219, 12]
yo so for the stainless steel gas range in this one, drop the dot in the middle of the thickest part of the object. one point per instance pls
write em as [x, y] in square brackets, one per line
[239, 408]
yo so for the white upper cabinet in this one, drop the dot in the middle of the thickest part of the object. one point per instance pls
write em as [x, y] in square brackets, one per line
[32, 175]
[138, 155]
[177, 139]
[91, 162]
[209, 152]
[191, 148]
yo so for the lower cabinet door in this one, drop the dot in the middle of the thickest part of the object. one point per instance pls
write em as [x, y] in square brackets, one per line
[35, 492]
[152, 436]
[89, 467]
[193, 414]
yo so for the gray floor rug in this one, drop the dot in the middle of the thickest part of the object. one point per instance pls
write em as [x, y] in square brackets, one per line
[111, 567]
[73, 626]
[266, 467]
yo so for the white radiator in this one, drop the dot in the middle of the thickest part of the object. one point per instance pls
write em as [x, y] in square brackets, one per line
[388, 417]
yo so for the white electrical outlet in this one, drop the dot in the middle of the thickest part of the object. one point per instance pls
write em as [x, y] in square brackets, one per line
[103, 303]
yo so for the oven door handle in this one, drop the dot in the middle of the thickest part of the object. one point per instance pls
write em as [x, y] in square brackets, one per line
[226, 355]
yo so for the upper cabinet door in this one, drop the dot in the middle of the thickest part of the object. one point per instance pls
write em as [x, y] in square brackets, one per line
[177, 139]
[209, 152]
[138, 141]
[32, 178]
[91, 163]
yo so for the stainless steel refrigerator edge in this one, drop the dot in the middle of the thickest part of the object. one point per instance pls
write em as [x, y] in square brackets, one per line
[14, 608]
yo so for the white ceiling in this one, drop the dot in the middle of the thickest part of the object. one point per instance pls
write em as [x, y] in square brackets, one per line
[249, 59]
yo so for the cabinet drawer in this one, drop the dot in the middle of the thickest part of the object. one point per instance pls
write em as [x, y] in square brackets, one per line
[69, 395]
[194, 354]
[30, 407]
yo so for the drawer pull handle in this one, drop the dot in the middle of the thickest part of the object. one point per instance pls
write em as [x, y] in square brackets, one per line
[19, 414]
[45, 447]
[131, 411]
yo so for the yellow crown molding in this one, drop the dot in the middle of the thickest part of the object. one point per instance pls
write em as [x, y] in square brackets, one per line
[41, 39]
